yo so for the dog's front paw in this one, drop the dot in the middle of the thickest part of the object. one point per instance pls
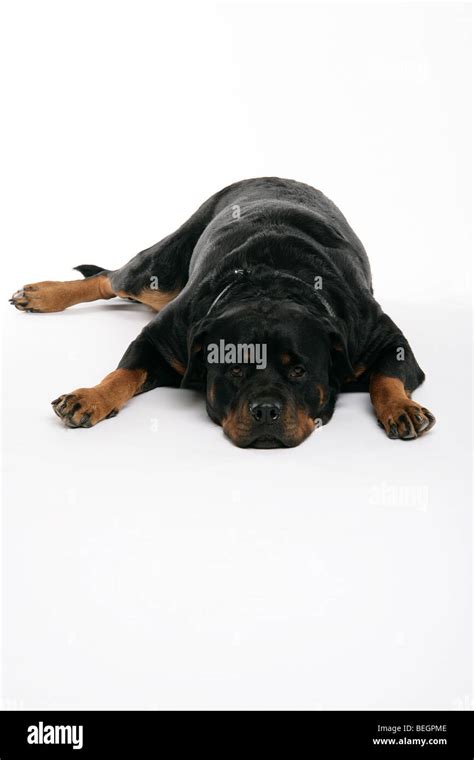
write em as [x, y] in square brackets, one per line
[405, 419]
[83, 408]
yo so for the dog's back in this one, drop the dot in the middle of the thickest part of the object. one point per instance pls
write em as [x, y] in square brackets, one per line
[252, 212]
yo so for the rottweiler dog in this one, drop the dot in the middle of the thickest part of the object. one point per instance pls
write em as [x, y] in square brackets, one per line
[265, 303]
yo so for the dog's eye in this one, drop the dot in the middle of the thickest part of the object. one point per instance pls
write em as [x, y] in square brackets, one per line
[297, 372]
[236, 371]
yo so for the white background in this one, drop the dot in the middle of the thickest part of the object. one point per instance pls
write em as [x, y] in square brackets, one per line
[148, 563]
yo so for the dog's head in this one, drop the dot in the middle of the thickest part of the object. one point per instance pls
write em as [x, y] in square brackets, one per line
[270, 370]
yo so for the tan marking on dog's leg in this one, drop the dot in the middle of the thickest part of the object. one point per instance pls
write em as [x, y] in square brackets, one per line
[156, 299]
[51, 295]
[396, 412]
[359, 370]
[177, 366]
[87, 406]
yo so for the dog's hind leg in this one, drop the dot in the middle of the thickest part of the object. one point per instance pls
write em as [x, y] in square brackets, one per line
[158, 274]
[50, 295]
[154, 277]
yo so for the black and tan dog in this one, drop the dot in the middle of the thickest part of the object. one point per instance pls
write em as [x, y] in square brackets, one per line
[268, 262]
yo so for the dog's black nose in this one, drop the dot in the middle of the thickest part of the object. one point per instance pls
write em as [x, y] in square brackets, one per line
[266, 411]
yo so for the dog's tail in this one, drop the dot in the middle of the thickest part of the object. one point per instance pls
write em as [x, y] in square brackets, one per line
[89, 270]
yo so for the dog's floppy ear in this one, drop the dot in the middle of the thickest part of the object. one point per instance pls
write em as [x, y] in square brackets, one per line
[195, 375]
[341, 367]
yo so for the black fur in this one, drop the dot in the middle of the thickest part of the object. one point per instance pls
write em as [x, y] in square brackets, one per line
[274, 263]
[283, 234]
[89, 270]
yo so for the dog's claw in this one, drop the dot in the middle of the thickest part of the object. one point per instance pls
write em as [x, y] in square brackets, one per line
[82, 409]
[407, 422]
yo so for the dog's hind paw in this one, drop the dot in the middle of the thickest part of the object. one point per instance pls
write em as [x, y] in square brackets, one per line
[48, 296]
[21, 300]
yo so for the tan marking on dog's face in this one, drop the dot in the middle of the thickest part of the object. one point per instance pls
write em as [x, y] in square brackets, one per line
[296, 426]
[285, 358]
[322, 394]
[211, 394]
[237, 425]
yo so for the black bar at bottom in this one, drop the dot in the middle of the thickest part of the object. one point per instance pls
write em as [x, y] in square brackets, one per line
[296, 734]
